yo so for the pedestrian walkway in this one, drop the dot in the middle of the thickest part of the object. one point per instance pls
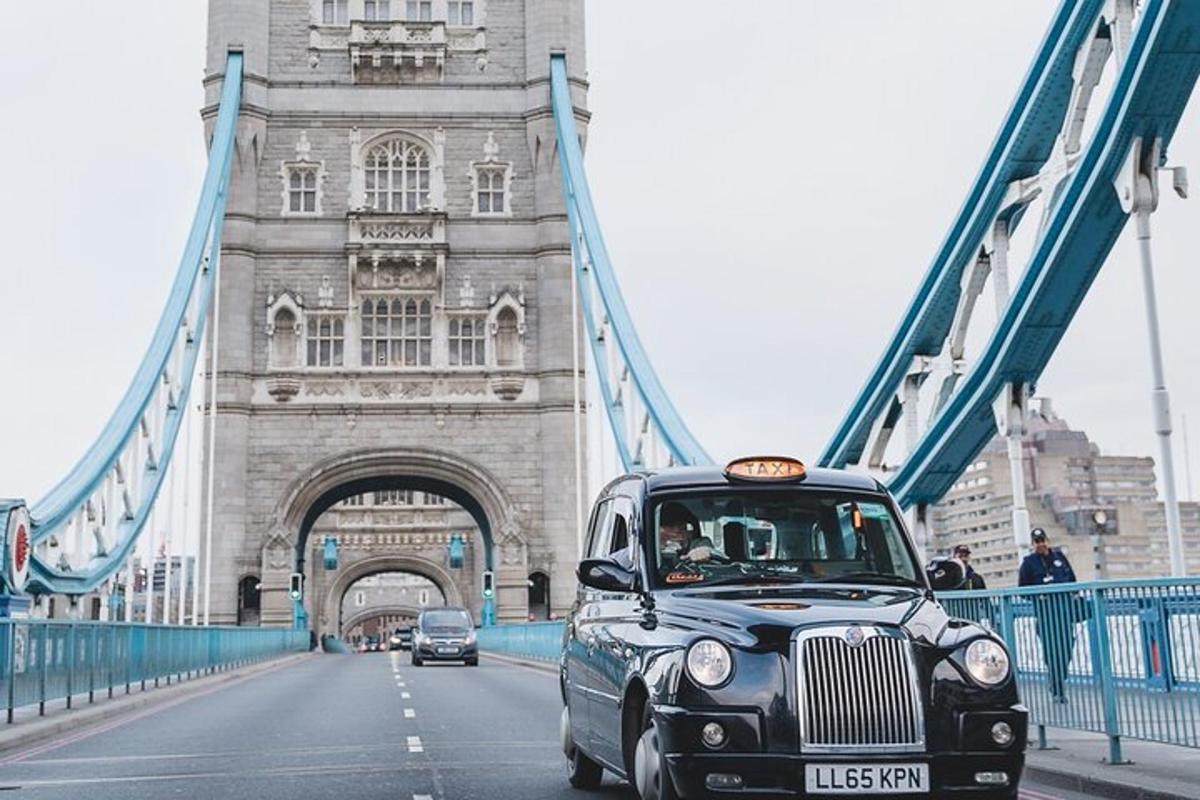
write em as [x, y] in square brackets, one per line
[1077, 761]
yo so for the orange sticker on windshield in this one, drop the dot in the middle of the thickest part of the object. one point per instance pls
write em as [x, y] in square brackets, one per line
[684, 577]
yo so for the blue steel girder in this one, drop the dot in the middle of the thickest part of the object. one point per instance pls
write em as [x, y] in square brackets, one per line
[1024, 144]
[1151, 91]
[112, 490]
[638, 409]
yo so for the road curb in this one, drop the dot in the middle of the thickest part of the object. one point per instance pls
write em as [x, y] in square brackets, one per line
[548, 667]
[1093, 786]
[23, 735]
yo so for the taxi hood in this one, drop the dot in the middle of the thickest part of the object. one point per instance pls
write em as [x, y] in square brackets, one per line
[769, 614]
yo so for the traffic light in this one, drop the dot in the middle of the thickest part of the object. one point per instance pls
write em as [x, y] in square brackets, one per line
[489, 584]
[296, 586]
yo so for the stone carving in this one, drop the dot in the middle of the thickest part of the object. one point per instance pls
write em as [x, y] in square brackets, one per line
[466, 293]
[283, 387]
[396, 231]
[491, 150]
[405, 274]
[507, 385]
[396, 390]
[324, 388]
[465, 388]
[325, 293]
[277, 550]
[303, 147]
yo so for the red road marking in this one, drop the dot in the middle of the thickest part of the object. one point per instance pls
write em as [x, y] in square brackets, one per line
[89, 732]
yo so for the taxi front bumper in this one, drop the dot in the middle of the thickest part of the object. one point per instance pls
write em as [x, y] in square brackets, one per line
[443, 651]
[951, 772]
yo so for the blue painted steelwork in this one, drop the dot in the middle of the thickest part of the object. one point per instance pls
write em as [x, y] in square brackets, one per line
[1023, 145]
[1120, 658]
[331, 553]
[191, 292]
[541, 641]
[1150, 94]
[595, 272]
[47, 660]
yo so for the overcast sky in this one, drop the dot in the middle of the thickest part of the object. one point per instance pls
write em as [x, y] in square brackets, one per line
[772, 184]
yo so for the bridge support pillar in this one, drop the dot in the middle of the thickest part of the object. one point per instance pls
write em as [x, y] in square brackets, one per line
[1137, 188]
[1010, 419]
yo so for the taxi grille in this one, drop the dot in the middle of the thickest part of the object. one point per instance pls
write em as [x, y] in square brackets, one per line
[858, 698]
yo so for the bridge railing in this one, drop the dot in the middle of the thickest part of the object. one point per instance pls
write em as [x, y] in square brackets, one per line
[540, 641]
[48, 660]
[1120, 658]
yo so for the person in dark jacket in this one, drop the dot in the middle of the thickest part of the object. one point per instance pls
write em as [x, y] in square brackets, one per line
[971, 578]
[1056, 612]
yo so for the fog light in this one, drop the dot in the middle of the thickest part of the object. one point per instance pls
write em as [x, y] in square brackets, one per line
[1002, 734]
[992, 778]
[713, 735]
[723, 780]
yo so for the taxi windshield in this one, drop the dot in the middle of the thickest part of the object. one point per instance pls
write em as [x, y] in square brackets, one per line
[732, 536]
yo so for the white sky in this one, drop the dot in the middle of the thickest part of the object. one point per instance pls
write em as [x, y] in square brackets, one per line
[772, 185]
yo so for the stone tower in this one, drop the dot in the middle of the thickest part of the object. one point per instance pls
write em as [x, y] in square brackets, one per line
[395, 307]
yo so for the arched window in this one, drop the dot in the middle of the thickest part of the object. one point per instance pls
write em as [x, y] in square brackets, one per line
[539, 596]
[249, 600]
[284, 339]
[397, 332]
[508, 339]
[397, 177]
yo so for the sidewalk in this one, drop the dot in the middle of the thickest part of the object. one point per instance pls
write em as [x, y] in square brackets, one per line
[1078, 762]
[29, 729]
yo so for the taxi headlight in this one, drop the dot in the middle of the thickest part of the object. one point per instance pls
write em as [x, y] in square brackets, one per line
[709, 662]
[987, 662]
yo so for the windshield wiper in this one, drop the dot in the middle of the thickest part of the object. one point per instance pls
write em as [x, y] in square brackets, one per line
[871, 577]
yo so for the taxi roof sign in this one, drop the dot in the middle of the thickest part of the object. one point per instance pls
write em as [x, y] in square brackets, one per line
[765, 468]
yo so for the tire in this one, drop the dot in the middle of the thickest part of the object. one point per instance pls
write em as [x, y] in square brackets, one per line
[416, 660]
[472, 662]
[582, 772]
[651, 779]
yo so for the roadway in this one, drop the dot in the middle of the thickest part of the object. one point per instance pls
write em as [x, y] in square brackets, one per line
[348, 727]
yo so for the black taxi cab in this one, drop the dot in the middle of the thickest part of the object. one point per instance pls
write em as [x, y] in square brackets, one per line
[765, 629]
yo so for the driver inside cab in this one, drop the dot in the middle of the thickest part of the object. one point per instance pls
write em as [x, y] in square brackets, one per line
[679, 536]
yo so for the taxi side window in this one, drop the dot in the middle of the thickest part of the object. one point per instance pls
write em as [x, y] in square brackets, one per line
[622, 523]
[600, 530]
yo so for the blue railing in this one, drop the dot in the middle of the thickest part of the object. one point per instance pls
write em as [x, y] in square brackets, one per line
[46, 660]
[1120, 658]
[540, 641]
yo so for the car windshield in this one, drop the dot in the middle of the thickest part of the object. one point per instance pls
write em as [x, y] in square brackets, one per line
[731, 536]
[452, 618]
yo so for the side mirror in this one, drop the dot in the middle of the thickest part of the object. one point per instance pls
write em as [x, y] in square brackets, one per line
[606, 575]
[946, 574]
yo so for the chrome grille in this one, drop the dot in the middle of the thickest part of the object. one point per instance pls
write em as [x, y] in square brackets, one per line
[858, 697]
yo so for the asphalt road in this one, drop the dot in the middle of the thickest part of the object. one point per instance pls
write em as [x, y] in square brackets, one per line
[361, 726]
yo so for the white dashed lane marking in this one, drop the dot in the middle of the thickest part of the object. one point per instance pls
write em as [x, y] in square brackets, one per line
[414, 745]
[405, 696]
[409, 713]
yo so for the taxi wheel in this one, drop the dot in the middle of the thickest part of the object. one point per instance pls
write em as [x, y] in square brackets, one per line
[416, 660]
[582, 772]
[650, 776]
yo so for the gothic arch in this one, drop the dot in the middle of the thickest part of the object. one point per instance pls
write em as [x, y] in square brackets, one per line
[378, 611]
[471, 486]
[375, 565]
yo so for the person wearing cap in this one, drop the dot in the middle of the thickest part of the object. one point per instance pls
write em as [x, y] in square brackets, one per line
[971, 579]
[679, 536]
[1056, 612]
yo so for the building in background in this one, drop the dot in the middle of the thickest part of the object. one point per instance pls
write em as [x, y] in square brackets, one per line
[1102, 510]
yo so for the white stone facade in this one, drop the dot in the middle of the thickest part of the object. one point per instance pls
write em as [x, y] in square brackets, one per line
[388, 124]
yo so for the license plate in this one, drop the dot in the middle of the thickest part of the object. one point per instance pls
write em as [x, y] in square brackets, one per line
[445, 651]
[866, 778]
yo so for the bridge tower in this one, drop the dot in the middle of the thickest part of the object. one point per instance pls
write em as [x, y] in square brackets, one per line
[395, 287]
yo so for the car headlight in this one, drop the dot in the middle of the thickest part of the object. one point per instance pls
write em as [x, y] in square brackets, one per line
[709, 662]
[987, 662]
[470, 638]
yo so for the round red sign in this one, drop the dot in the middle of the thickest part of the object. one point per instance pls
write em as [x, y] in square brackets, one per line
[18, 546]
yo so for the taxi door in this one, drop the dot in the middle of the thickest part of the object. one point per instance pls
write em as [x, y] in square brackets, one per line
[581, 636]
[617, 611]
